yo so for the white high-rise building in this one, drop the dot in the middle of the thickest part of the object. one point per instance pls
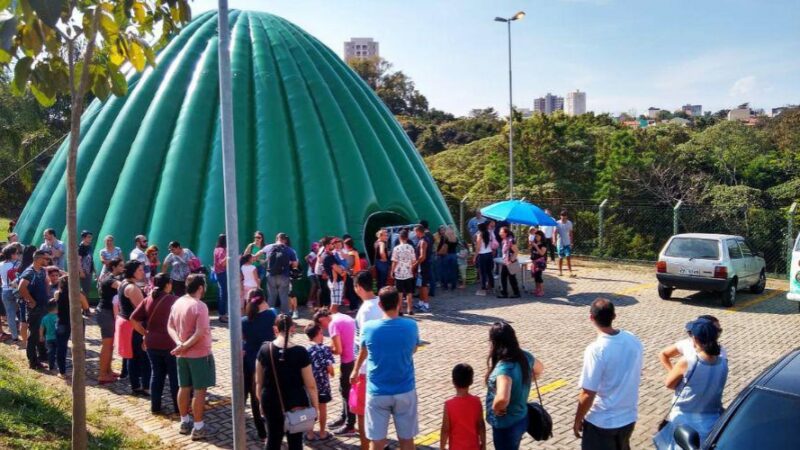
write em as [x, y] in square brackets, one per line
[361, 48]
[575, 104]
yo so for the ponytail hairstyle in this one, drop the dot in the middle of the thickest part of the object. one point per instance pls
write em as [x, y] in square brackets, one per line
[284, 324]
[711, 348]
[160, 283]
[483, 229]
[254, 300]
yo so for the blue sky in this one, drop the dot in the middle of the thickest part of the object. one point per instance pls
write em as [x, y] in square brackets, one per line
[625, 54]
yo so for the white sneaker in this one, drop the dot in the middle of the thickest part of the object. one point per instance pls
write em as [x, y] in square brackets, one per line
[481, 292]
[295, 316]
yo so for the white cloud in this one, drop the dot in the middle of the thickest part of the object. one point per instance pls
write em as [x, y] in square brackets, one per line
[743, 86]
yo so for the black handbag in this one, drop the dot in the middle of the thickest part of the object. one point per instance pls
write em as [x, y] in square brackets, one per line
[540, 424]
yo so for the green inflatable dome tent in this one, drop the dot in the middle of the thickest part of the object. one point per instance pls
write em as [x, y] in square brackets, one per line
[317, 152]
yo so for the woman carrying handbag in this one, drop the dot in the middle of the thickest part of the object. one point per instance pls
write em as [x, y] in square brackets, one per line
[286, 388]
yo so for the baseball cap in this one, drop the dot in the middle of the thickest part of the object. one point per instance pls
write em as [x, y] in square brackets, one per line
[703, 330]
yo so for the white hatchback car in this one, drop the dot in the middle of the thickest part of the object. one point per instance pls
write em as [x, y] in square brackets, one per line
[709, 262]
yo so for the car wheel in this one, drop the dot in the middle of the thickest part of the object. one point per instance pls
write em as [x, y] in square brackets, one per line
[665, 292]
[729, 294]
[762, 283]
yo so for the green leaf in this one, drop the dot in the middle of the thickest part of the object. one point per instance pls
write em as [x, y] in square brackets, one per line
[31, 39]
[108, 24]
[119, 85]
[45, 97]
[22, 72]
[48, 10]
[100, 86]
[136, 55]
[139, 12]
[150, 55]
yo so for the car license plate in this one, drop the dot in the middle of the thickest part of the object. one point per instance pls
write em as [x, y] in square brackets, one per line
[689, 271]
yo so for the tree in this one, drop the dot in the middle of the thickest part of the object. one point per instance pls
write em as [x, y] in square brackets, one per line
[396, 89]
[73, 47]
[429, 142]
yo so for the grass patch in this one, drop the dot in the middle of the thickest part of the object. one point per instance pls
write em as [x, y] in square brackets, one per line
[4, 229]
[36, 415]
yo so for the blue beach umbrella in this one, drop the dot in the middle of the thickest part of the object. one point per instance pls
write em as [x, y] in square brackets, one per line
[518, 211]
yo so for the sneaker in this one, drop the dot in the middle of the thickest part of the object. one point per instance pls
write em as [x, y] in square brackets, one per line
[345, 431]
[186, 427]
[481, 292]
[202, 433]
[295, 315]
[426, 308]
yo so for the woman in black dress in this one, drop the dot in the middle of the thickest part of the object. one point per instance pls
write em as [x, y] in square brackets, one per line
[295, 386]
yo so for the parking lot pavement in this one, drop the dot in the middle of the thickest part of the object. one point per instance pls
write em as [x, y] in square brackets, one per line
[556, 329]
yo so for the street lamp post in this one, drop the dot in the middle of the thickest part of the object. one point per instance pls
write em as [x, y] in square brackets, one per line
[508, 21]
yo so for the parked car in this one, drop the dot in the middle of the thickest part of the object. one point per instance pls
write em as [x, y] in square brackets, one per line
[764, 415]
[794, 273]
[710, 262]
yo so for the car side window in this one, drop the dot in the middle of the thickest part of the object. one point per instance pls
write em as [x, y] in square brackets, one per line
[746, 251]
[733, 250]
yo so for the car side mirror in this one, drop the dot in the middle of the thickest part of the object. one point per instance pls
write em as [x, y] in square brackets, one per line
[686, 437]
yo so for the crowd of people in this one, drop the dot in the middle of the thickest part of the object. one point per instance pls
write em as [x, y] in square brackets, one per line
[152, 314]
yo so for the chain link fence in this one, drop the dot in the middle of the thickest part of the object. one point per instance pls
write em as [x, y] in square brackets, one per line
[637, 232]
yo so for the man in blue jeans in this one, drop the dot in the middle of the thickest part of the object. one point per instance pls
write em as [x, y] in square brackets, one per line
[280, 260]
[388, 347]
[35, 290]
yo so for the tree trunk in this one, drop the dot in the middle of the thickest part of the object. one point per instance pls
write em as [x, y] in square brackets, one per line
[79, 433]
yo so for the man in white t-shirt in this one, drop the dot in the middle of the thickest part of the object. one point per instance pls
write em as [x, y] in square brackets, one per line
[609, 382]
[685, 347]
[138, 254]
[370, 310]
[563, 240]
[549, 231]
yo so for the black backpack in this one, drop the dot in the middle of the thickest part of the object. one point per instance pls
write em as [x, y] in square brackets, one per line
[278, 260]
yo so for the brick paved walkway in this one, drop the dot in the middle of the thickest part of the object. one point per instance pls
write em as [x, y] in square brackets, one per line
[556, 329]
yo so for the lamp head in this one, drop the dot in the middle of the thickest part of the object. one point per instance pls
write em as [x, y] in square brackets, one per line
[518, 15]
[500, 19]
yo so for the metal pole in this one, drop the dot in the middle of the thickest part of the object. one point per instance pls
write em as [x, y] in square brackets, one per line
[676, 217]
[510, 121]
[601, 223]
[461, 227]
[231, 227]
[790, 237]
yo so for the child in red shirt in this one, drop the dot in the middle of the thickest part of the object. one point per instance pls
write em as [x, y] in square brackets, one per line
[463, 427]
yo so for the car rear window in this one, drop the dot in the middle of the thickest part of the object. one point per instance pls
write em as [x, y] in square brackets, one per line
[694, 248]
[765, 419]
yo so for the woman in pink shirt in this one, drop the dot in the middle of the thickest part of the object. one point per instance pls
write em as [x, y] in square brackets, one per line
[220, 271]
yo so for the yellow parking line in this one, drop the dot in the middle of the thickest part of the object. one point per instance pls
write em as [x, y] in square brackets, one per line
[428, 439]
[549, 387]
[635, 289]
[761, 298]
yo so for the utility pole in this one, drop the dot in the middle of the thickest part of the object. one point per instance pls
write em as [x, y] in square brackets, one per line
[231, 226]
